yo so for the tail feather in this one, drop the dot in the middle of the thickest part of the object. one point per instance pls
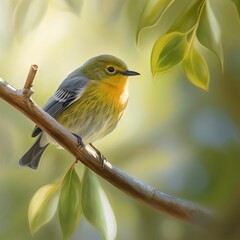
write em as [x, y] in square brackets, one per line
[32, 157]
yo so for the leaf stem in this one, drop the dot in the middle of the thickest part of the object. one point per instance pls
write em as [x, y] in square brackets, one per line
[192, 32]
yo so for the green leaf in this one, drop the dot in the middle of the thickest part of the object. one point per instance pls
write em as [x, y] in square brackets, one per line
[69, 207]
[96, 207]
[168, 51]
[152, 13]
[237, 4]
[209, 33]
[196, 69]
[74, 6]
[28, 14]
[42, 206]
[188, 17]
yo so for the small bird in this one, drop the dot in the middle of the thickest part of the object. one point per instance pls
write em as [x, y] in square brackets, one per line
[89, 103]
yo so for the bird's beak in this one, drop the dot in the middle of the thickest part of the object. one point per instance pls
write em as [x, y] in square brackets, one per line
[130, 73]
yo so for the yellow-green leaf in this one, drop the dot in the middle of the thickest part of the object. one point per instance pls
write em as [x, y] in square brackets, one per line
[209, 33]
[69, 208]
[42, 206]
[187, 18]
[152, 13]
[196, 69]
[237, 4]
[96, 207]
[168, 51]
[28, 14]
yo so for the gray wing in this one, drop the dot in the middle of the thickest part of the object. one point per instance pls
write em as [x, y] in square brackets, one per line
[67, 93]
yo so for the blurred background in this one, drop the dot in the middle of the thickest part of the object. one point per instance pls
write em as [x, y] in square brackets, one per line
[176, 137]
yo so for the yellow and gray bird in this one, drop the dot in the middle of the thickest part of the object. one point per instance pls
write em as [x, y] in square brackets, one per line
[89, 103]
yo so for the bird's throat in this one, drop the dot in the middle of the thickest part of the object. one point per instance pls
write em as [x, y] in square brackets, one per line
[117, 90]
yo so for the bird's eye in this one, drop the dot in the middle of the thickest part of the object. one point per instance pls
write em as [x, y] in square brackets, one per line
[111, 69]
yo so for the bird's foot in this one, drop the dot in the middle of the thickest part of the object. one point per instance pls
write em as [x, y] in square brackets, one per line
[100, 155]
[79, 140]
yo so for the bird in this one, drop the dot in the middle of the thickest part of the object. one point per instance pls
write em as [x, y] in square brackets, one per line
[89, 103]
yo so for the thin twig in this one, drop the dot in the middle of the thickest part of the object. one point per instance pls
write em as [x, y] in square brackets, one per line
[27, 89]
[135, 188]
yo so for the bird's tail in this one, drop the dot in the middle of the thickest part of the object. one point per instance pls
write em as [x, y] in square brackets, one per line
[32, 157]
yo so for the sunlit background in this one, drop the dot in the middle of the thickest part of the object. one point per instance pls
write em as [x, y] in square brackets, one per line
[180, 139]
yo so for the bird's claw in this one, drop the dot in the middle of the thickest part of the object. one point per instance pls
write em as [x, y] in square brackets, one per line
[79, 140]
[102, 158]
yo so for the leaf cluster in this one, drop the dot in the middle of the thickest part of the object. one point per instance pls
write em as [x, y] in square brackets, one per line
[73, 198]
[197, 23]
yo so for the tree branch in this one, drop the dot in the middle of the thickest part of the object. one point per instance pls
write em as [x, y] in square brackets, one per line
[162, 202]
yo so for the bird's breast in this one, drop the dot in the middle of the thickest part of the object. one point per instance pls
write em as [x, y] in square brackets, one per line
[97, 111]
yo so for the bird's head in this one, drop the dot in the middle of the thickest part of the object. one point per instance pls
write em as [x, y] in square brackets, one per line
[106, 68]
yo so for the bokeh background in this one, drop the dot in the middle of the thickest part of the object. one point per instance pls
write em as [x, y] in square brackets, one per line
[174, 136]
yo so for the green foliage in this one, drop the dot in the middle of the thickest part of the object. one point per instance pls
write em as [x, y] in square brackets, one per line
[72, 200]
[197, 21]
[42, 206]
[188, 17]
[169, 51]
[196, 69]
[96, 207]
[69, 208]
[209, 32]
[237, 4]
[152, 13]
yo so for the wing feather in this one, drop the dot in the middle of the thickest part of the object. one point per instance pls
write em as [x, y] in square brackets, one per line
[68, 92]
